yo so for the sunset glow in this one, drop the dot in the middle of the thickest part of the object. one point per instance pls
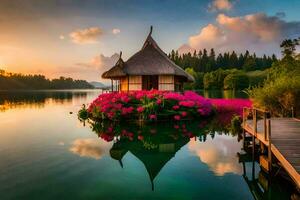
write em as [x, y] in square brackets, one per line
[63, 38]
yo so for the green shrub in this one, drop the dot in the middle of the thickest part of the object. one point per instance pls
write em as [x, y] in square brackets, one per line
[236, 81]
[280, 95]
[198, 84]
[257, 77]
[215, 79]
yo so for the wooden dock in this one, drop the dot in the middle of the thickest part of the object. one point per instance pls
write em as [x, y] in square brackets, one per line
[279, 136]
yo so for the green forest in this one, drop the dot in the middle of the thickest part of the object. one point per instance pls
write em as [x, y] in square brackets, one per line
[225, 71]
[14, 81]
[280, 92]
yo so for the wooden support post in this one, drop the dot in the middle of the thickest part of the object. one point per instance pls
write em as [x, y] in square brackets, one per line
[127, 83]
[244, 124]
[244, 116]
[112, 85]
[253, 157]
[255, 122]
[270, 145]
[265, 126]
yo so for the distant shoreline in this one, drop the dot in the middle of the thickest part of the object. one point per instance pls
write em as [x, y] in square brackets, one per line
[49, 90]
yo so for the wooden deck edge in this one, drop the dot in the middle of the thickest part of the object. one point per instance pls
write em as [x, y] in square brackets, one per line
[259, 135]
[296, 119]
[287, 166]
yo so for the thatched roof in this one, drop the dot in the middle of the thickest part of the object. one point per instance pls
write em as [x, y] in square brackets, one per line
[150, 60]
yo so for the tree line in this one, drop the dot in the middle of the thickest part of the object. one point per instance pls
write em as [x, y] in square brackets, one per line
[16, 81]
[280, 92]
[202, 61]
[226, 71]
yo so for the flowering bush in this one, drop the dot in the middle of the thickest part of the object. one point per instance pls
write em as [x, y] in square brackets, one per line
[234, 106]
[149, 105]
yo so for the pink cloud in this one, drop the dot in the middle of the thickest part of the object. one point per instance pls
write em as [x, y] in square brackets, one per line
[86, 36]
[221, 5]
[255, 32]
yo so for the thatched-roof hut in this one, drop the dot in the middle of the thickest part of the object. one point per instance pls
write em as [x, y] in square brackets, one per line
[150, 68]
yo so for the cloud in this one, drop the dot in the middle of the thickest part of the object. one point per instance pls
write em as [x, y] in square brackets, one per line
[101, 62]
[92, 148]
[219, 154]
[221, 5]
[62, 37]
[183, 49]
[210, 34]
[255, 32]
[116, 31]
[86, 36]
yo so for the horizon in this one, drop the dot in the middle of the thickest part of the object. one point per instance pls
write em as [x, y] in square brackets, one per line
[82, 39]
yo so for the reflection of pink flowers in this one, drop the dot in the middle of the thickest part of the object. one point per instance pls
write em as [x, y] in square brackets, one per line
[177, 117]
[140, 109]
[152, 117]
[183, 114]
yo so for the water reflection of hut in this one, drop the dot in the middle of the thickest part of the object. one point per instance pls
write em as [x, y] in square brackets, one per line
[154, 160]
[150, 68]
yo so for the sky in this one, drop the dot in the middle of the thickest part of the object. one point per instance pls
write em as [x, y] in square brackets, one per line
[82, 38]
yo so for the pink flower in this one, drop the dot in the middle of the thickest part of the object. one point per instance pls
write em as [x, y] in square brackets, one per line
[126, 111]
[158, 101]
[110, 129]
[177, 117]
[140, 109]
[176, 107]
[183, 114]
[150, 95]
[152, 117]
[188, 103]
[234, 106]
[140, 137]
[110, 115]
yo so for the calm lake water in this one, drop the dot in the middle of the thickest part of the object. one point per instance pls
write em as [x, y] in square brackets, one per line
[47, 153]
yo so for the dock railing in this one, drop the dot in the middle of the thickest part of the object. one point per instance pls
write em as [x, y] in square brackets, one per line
[253, 115]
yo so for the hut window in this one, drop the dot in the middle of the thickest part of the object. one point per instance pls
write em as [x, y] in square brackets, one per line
[135, 82]
[166, 82]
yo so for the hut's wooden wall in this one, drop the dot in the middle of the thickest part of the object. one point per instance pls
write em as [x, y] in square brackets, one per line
[124, 84]
[135, 83]
[166, 82]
